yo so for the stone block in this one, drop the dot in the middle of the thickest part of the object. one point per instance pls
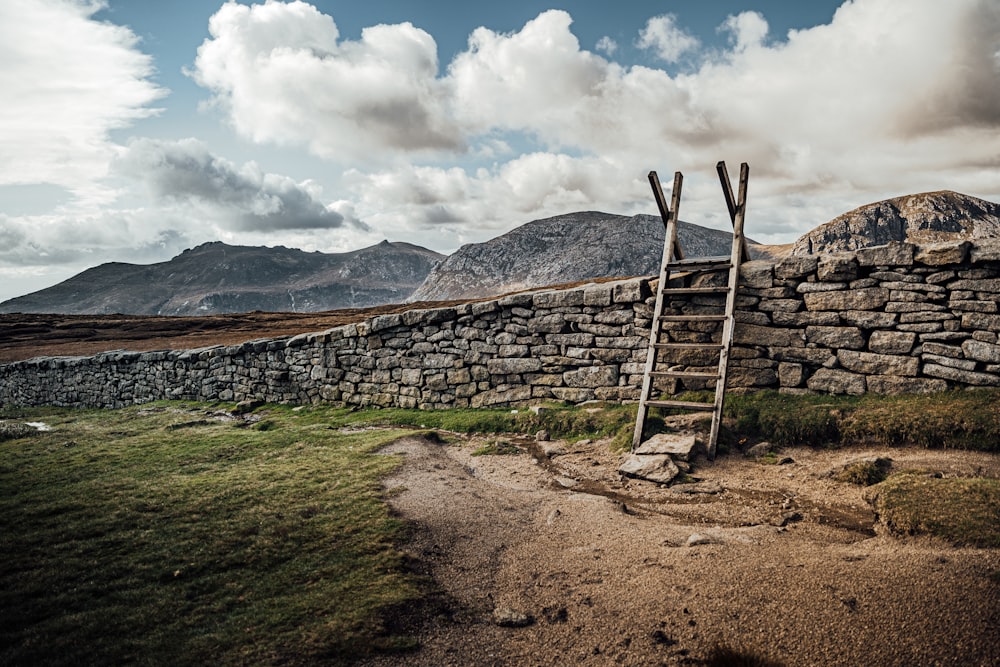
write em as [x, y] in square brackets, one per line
[622, 342]
[988, 285]
[573, 394]
[892, 384]
[923, 316]
[891, 342]
[839, 266]
[871, 363]
[832, 381]
[795, 266]
[836, 337]
[981, 351]
[599, 329]
[910, 286]
[872, 298]
[964, 364]
[659, 468]
[790, 375]
[806, 288]
[973, 306]
[616, 317]
[593, 376]
[553, 323]
[963, 376]
[383, 322]
[597, 295]
[913, 307]
[867, 319]
[513, 366]
[981, 321]
[895, 253]
[780, 305]
[813, 355]
[501, 396]
[513, 350]
[757, 273]
[574, 339]
[610, 356]
[802, 319]
[748, 334]
[746, 317]
[985, 250]
[941, 254]
[953, 351]
[630, 291]
[751, 377]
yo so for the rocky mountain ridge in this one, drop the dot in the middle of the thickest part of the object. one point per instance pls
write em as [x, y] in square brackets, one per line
[218, 278]
[926, 217]
[565, 248]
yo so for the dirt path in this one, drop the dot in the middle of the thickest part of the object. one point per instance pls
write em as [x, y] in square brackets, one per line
[779, 560]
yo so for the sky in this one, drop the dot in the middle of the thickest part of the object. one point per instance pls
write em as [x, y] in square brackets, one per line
[131, 130]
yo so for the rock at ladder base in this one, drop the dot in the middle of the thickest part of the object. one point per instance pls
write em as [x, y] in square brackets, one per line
[658, 468]
[678, 445]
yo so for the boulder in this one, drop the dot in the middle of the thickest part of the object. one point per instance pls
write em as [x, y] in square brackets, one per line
[658, 468]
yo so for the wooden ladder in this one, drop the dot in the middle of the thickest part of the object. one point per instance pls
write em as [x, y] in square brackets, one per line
[675, 265]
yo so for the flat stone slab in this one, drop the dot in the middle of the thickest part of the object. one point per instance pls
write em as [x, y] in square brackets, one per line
[658, 468]
[678, 445]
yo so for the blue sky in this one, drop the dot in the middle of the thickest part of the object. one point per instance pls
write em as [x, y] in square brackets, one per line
[134, 129]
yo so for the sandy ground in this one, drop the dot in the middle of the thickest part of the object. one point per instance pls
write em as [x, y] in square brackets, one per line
[780, 560]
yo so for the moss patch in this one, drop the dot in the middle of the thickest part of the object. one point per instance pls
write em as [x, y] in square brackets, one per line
[865, 473]
[963, 511]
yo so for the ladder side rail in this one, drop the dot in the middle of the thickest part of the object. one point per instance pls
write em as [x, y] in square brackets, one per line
[738, 247]
[665, 211]
[727, 190]
[656, 325]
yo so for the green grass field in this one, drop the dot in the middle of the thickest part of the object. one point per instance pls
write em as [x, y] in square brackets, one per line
[178, 534]
[163, 535]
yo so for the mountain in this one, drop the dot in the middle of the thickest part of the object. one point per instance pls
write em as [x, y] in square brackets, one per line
[218, 278]
[919, 218]
[566, 248]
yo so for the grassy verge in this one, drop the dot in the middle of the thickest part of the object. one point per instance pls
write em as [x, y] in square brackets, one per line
[163, 535]
[956, 419]
[963, 511]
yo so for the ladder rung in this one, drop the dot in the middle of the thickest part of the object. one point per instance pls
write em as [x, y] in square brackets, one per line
[688, 346]
[689, 405]
[693, 318]
[686, 374]
[695, 290]
[716, 262]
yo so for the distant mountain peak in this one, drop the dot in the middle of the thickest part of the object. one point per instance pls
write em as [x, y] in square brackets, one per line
[563, 248]
[925, 217]
[216, 278]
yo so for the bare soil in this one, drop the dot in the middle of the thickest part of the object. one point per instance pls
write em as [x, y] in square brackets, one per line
[779, 561]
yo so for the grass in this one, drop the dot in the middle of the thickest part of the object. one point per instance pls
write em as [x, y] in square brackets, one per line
[864, 473]
[968, 419]
[963, 511]
[165, 536]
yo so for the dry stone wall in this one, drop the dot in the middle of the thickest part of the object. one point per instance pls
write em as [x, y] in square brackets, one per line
[897, 318]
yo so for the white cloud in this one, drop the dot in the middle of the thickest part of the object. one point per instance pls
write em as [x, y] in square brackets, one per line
[237, 198]
[662, 36]
[67, 81]
[282, 75]
[746, 30]
[607, 45]
[888, 98]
